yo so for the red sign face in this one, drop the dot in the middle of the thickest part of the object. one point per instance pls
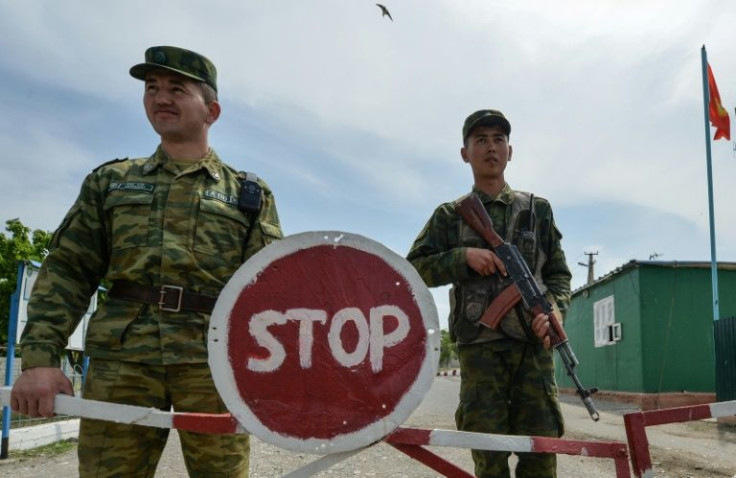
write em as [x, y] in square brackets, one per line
[331, 342]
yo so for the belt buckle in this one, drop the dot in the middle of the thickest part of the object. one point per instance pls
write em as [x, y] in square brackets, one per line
[165, 289]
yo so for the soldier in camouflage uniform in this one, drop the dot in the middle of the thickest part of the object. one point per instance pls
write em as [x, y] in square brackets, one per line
[507, 375]
[168, 232]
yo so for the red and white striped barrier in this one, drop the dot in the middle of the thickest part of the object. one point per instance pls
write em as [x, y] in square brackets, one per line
[407, 440]
[411, 440]
[114, 412]
[636, 423]
[337, 343]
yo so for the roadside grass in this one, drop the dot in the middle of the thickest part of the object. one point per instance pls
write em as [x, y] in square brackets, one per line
[52, 449]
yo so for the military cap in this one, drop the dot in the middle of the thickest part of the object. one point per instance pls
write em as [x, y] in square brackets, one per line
[485, 118]
[181, 61]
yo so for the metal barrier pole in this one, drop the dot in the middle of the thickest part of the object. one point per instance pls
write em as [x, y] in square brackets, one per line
[636, 423]
[415, 438]
[636, 435]
[12, 332]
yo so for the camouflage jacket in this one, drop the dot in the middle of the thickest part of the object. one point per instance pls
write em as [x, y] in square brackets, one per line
[144, 221]
[438, 254]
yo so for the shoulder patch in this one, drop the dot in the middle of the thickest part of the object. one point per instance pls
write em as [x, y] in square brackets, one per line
[118, 160]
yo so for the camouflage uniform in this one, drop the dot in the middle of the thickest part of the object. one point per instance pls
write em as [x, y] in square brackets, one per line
[507, 377]
[151, 222]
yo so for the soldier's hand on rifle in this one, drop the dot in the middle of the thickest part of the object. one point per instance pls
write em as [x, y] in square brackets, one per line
[540, 326]
[484, 262]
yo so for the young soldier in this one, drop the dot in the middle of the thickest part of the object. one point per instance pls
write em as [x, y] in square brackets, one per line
[167, 232]
[507, 375]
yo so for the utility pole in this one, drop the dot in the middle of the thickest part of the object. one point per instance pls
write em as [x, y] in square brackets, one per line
[589, 265]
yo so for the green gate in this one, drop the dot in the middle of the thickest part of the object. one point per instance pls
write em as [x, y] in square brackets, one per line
[725, 340]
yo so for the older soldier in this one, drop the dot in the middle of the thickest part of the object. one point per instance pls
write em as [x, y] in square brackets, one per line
[167, 232]
[507, 375]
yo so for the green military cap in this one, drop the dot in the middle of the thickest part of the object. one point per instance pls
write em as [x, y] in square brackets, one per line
[485, 118]
[185, 62]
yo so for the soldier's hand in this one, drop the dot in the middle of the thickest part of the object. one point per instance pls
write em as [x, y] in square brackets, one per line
[34, 391]
[484, 262]
[540, 326]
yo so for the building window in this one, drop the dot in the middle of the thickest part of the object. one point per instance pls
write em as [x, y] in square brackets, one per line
[604, 320]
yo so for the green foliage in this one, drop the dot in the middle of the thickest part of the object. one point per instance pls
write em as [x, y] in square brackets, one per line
[19, 245]
[448, 349]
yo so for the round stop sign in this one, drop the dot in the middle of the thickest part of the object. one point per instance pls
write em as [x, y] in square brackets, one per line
[323, 342]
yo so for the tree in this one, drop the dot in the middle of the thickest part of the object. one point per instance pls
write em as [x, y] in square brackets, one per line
[448, 350]
[20, 245]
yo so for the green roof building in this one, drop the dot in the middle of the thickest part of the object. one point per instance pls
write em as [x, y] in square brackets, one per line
[644, 333]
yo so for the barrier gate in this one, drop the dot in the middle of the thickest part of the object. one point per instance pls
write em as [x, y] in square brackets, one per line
[343, 311]
[636, 423]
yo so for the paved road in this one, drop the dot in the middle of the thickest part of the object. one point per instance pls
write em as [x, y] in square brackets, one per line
[693, 450]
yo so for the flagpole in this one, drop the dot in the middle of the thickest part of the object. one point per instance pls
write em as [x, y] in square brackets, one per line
[713, 263]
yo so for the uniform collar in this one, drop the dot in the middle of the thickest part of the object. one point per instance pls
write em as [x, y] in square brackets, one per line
[210, 163]
[506, 195]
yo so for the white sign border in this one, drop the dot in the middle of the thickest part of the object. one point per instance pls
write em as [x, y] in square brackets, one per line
[247, 274]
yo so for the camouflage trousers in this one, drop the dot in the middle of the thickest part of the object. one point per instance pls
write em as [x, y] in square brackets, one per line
[108, 449]
[508, 387]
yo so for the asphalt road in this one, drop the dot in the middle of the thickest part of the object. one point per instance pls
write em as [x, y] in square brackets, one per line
[693, 450]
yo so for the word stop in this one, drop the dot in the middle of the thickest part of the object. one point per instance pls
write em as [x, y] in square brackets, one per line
[372, 340]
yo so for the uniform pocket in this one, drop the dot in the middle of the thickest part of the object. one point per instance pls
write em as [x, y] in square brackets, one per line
[128, 214]
[220, 229]
[473, 302]
[552, 395]
[483, 408]
[468, 392]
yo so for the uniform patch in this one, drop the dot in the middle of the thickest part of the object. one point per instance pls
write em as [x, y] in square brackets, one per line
[230, 200]
[131, 186]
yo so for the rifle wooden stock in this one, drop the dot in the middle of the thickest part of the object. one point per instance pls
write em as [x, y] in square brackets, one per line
[472, 211]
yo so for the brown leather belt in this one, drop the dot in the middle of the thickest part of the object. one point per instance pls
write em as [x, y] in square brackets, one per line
[169, 298]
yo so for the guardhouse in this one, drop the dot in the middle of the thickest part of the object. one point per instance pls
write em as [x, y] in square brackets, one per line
[645, 334]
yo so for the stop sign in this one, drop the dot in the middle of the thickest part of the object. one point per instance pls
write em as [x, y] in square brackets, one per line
[323, 342]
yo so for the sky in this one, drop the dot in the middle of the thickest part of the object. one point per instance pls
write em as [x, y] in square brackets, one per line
[355, 120]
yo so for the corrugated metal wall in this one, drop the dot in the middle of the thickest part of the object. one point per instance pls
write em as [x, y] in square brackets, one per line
[668, 342]
[677, 328]
[725, 336]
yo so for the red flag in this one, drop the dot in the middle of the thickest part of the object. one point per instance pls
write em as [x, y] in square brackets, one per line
[718, 114]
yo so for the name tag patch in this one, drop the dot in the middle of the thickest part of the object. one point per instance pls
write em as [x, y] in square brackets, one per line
[218, 196]
[147, 187]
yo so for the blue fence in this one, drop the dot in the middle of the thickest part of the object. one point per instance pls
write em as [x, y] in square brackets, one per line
[74, 366]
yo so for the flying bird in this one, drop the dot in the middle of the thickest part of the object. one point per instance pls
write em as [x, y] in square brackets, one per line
[384, 12]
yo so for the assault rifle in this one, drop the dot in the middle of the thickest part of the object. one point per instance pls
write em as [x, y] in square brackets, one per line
[524, 288]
